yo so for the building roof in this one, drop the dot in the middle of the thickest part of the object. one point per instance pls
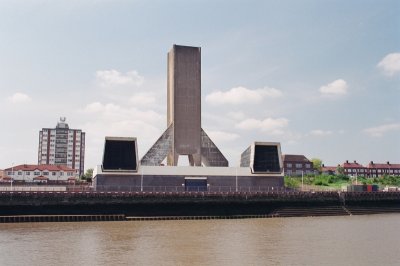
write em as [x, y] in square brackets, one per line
[328, 168]
[40, 167]
[294, 158]
[354, 164]
[386, 165]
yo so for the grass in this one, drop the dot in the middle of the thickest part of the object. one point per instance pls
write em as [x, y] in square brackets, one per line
[337, 181]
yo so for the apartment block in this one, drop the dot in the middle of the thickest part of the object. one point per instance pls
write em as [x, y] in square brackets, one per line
[62, 146]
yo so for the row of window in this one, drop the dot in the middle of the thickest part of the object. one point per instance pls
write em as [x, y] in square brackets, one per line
[298, 165]
[37, 173]
[372, 170]
[298, 172]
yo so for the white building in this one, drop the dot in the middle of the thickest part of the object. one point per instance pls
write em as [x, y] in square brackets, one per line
[39, 173]
[62, 146]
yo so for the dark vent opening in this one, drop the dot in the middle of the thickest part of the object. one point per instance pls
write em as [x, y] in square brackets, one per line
[266, 159]
[120, 155]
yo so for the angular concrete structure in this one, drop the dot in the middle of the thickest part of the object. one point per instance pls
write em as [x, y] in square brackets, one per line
[184, 135]
[263, 157]
[260, 168]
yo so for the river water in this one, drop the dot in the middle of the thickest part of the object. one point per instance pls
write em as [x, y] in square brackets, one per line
[344, 240]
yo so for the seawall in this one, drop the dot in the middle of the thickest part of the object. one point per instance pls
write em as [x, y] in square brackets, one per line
[170, 205]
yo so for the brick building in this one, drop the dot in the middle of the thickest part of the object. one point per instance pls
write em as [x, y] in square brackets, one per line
[328, 170]
[296, 165]
[380, 169]
[354, 169]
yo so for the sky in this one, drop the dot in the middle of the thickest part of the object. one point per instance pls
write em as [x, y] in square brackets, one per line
[320, 77]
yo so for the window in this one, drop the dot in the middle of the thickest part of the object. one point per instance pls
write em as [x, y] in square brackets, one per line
[61, 173]
[28, 173]
[53, 173]
[9, 173]
[36, 173]
[289, 165]
[299, 165]
[308, 165]
[19, 173]
[45, 173]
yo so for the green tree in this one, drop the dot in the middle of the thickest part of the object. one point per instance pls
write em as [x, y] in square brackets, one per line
[317, 164]
[340, 170]
[88, 175]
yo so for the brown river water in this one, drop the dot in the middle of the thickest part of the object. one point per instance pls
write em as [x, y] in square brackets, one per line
[343, 240]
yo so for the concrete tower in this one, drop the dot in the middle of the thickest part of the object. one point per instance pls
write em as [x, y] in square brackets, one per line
[184, 135]
[184, 103]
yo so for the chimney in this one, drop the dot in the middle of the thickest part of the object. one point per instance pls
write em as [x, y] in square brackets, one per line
[355, 161]
[372, 162]
[387, 162]
[323, 165]
[347, 161]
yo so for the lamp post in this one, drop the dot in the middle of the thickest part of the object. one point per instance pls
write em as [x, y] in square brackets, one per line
[141, 180]
[236, 181]
[302, 180]
[12, 178]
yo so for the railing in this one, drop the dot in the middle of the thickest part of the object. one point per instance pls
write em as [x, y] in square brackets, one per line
[192, 189]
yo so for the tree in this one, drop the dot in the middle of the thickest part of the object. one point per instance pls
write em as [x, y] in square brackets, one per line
[88, 175]
[317, 164]
[340, 170]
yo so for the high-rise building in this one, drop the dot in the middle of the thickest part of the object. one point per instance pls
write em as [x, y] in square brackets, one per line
[62, 146]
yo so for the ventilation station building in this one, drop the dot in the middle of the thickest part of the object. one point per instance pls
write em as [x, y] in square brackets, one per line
[260, 164]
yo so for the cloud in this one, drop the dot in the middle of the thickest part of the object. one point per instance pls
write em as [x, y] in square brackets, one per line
[143, 99]
[240, 95]
[116, 112]
[320, 133]
[236, 115]
[379, 131]
[271, 125]
[335, 88]
[109, 78]
[221, 136]
[390, 64]
[19, 98]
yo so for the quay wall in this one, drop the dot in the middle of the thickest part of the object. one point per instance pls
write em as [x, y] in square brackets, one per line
[147, 204]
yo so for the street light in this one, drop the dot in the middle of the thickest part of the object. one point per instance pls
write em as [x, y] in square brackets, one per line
[236, 181]
[12, 173]
[141, 180]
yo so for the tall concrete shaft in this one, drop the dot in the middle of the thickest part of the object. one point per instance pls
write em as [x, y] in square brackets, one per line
[184, 135]
[184, 103]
